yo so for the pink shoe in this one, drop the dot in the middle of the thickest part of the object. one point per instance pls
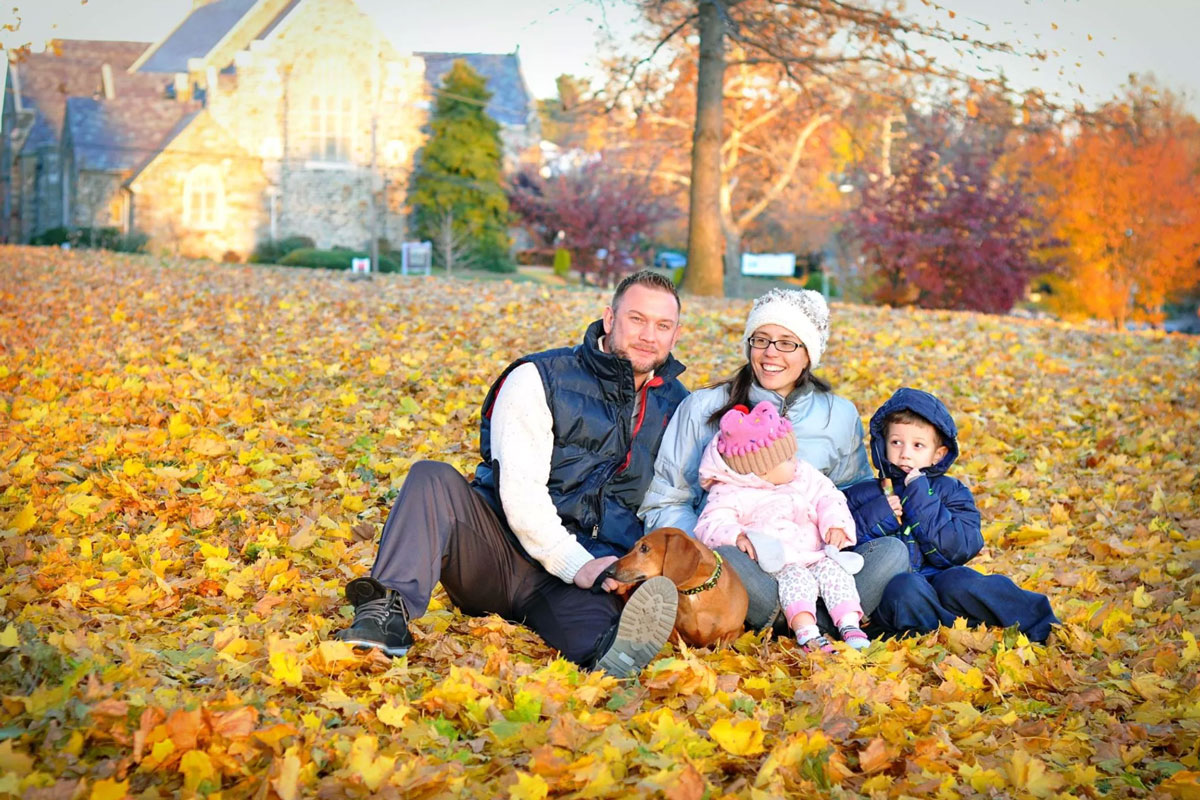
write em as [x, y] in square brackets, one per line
[854, 636]
[815, 644]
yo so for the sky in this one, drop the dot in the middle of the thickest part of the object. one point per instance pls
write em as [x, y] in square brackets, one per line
[562, 36]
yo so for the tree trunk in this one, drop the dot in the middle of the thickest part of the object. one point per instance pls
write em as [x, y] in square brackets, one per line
[706, 250]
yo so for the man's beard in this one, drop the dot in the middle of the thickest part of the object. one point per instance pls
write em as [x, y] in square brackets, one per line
[623, 353]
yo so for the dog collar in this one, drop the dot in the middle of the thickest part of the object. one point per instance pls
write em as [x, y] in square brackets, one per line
[711, 582]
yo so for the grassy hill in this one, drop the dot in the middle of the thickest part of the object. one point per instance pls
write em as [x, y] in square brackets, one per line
[197, 457]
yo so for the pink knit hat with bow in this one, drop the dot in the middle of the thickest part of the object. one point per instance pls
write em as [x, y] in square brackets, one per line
[755, 441]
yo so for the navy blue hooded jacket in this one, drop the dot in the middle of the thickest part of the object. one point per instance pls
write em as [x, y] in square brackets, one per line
[603, 457]
[940, 522]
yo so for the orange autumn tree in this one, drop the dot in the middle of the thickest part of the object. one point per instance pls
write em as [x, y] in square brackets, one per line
[1123, 200]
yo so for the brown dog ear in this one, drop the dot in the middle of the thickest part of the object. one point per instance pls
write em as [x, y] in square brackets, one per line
[681, 556]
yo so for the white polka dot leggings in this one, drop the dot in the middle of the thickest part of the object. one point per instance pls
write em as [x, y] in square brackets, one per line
[799, 587]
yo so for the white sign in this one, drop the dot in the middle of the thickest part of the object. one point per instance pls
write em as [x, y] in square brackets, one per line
[360, 266]
[416, 256]
[772, 265]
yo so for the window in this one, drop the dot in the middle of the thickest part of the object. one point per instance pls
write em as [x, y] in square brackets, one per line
[331, 113]
[203, 198]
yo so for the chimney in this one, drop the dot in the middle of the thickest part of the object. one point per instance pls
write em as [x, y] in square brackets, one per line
[106, 76]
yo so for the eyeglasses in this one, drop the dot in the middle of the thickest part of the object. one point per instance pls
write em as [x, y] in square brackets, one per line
[782, 345]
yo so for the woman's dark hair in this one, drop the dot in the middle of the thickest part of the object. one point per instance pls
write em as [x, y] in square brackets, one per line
[739, 388]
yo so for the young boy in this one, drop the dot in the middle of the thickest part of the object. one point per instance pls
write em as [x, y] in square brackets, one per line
[913, 443]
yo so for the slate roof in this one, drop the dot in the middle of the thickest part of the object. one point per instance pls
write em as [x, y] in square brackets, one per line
[196, 35]
[511, 102]
[48, 79]
[120, 134]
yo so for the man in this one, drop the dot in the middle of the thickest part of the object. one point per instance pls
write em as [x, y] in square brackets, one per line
[568, 439]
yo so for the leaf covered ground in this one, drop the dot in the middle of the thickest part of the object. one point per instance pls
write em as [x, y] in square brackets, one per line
[197, 457]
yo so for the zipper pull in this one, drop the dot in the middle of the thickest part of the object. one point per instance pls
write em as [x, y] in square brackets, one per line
[595, 531]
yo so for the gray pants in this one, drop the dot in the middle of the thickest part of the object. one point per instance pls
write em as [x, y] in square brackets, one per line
[440, 529]
[884, 559]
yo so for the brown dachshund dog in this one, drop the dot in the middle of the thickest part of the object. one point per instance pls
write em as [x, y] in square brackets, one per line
[716, 613]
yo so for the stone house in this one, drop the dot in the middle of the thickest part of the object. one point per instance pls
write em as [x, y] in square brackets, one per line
[251, 120]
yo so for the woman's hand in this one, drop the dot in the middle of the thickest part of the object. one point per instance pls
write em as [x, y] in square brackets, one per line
[837, 537]
[746, 546]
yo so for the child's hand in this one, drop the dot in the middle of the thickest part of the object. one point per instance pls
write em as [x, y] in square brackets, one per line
[912, 476]
[897, 509]
[746, 546]
[837, 537]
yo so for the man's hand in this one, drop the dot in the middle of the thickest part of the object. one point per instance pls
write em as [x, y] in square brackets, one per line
[837, 537]
[746, 546]
[586, 577]
[897, 508]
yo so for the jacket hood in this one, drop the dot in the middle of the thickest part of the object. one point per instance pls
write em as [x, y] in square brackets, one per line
[927, 406]
[713, 469]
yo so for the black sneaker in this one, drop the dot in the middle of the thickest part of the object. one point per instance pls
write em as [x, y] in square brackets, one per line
[380, 618]
[643, 629]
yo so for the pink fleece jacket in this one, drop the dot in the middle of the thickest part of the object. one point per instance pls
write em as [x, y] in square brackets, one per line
[799, 514]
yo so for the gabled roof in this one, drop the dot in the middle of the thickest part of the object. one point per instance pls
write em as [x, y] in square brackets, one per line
[273, 24]
[120, 134]
[48, 79]
[40, 133]
[199, 33]
[510, 103]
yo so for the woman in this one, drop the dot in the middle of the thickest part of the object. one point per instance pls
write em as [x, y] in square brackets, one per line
[784, 340]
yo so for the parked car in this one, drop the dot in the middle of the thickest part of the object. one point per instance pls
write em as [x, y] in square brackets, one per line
[670, 259]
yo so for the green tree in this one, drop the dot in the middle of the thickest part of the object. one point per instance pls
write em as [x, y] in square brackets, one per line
[457, 182]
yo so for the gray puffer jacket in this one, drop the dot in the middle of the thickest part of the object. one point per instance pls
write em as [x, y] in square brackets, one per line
[829, 435]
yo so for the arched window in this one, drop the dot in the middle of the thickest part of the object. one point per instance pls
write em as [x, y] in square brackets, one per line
[331, 112]
[203, 198]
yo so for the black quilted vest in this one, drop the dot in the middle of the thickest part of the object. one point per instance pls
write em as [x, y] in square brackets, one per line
[603, 457]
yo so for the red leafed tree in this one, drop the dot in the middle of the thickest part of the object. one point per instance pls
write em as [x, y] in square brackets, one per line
[599, 207]
[947, 230]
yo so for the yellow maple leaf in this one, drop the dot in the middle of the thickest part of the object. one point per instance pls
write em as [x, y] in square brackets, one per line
[197, 768]
[393, 714]
[1191, 651]
[286, 667]
[529, 787]
[25, 519]
[178, 426]
[109, 789]
[83, 504]
[1140, 598]
[1029, 773]
[364, 762]
[743, 739]
[1183, 785]
[9, 637]
[287, 782]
